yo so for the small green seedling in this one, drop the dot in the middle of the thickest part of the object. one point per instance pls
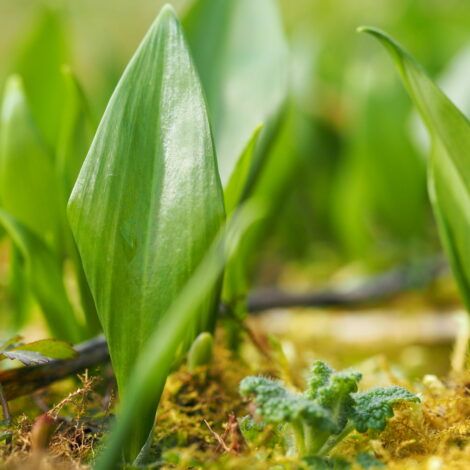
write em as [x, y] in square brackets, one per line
[200, 353]
[326, 412]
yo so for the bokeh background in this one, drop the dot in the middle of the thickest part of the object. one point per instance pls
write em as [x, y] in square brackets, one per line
[357, 195]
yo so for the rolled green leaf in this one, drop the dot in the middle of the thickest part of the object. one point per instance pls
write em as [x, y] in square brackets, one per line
[449, 163]
[200, 352]
[241, 54]
[148, 202]
[234, 191]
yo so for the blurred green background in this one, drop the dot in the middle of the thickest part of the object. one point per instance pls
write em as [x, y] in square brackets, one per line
[357, 189]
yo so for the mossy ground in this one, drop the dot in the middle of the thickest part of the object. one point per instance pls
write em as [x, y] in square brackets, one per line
[197, 420]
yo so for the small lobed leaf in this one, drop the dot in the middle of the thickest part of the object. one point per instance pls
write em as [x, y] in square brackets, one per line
[373, 409]
[275, 404]
[332, 391]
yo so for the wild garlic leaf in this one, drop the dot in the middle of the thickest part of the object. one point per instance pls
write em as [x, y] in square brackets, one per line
[241, 54]
[28, 183]
[39, 63]
[449, 163]
[155, 361]
[148, 200]
[44, 276]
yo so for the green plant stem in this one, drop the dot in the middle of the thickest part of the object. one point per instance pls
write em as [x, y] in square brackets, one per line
[336, 439]
[299, 438]
[314, 440]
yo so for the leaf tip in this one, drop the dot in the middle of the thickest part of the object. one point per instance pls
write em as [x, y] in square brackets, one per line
[14, 83]
[168, 12]
[382, 36]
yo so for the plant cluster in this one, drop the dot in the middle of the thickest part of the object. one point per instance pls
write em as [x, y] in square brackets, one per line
[325, 413]
[149, 225]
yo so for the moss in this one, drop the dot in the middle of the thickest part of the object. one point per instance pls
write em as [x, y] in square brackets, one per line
[197, 424]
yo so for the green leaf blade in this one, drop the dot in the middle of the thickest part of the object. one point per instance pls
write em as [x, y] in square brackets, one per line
[28, 186]
[148, 201]
[39, 63]
[449, 165]
[40, 352]
[154, 362]
[240, 51]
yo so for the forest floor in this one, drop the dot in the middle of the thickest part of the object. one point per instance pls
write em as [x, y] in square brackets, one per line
[411, 341]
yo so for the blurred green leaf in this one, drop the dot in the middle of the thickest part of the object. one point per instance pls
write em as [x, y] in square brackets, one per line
[11, 342]
[28, 184]
[39, 63]
[241, 55]
[154, 362]
[234, 190]
[148, 201]
[39, 352]
[18, 289]
[377, 162]
[44, 277]
[76, 133]
[449, 164]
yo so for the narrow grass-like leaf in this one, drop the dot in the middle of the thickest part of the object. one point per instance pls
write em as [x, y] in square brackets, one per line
[449, 165]
[28, 184]
[148, 201]
[241, 54]
[39, 63]
[154, 362]
[45, 279]
[234, 190]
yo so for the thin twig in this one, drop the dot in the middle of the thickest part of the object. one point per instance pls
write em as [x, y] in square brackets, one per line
[367, 291]
[218, 438]
[26, 380]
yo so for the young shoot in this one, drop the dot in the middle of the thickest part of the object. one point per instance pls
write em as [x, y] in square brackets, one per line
[326, 412]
